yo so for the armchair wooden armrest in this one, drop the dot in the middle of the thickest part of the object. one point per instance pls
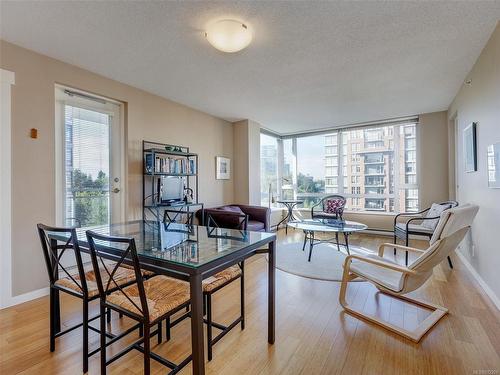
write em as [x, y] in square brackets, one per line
[391, 266]
[382, 247]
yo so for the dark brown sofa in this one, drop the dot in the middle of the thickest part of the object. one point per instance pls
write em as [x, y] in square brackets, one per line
[230, 216]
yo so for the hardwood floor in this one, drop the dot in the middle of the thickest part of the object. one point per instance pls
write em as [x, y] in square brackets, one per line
[313, 336]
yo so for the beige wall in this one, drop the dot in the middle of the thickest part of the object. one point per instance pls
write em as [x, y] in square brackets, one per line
[240, 162]
[480, 102]
[433, 158]
[247, 162]
[148, 117]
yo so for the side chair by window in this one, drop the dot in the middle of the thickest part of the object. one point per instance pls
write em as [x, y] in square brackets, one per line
[419, 224]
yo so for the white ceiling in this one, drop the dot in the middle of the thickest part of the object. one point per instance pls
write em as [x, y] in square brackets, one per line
[311, 65]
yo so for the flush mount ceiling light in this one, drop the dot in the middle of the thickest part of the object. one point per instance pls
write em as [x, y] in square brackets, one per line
[228, 35]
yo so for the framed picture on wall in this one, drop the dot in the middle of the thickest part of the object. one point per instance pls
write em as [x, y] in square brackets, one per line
[222, 168]
[493, 158]
[470, 148]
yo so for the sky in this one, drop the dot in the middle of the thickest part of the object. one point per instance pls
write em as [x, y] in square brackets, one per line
[311, 156]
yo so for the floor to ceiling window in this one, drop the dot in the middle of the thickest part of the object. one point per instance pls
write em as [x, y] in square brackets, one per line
[374, 167]
[311, 169]
[268, 170]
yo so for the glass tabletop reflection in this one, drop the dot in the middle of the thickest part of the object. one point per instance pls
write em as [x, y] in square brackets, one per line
[187, 245]
[328, 225]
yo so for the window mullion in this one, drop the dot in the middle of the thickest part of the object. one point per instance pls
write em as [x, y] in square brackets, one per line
[340, 169]
[294, 167]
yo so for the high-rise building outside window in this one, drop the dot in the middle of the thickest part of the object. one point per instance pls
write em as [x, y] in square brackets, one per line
[374, 167]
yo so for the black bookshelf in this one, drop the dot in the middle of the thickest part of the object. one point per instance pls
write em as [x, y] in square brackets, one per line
[163, 159]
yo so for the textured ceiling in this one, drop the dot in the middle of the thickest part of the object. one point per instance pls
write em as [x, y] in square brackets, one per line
[311, 65]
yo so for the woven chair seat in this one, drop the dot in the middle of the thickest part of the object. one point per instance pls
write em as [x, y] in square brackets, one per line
[221, 278]
[123, 275]
[163, 295]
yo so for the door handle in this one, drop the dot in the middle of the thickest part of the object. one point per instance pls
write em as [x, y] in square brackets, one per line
[116, 190]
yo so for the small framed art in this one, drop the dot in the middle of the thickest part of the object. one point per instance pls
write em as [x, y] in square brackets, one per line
[222, 168]
[470, 147]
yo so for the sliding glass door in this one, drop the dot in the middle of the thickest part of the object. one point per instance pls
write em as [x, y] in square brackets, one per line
[91, 166]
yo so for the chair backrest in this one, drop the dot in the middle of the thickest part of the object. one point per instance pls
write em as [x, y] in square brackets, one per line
[450, 204]
[453, 226]
[225, 219]
[54, 250]
[456, 214]
[122, 252]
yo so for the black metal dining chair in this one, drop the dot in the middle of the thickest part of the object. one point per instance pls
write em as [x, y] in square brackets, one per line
[414, 225]
[329, 207]
[148, 302]
[218, 281]
[80, 284]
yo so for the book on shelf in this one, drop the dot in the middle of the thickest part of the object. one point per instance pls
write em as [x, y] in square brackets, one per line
[173, 165]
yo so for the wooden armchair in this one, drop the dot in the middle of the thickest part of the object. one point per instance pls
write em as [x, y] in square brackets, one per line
[397, 281]
[421, 223]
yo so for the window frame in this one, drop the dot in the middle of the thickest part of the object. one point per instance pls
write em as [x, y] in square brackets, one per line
[392, 128]
[116, 110]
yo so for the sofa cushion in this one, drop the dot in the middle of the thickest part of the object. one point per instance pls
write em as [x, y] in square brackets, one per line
[234, 209]
[255, 226]
[414, 228]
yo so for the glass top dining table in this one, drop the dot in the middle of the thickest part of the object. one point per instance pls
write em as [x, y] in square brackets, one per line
[191, 253]
[182, 245]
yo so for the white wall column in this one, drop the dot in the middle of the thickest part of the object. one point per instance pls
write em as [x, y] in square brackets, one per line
[7, 79]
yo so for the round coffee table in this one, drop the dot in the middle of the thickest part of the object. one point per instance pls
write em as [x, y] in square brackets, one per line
[311, 226]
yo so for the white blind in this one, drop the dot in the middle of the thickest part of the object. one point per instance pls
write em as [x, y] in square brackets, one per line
[87, 146]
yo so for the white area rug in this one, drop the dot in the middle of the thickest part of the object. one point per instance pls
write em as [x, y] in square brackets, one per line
[326, 261]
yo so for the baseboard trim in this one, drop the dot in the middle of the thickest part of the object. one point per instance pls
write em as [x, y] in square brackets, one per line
[26, 297]
[479, 279]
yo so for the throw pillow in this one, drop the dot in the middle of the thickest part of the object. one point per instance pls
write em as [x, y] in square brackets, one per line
[235, 209]
[435, 211]
[334, 206]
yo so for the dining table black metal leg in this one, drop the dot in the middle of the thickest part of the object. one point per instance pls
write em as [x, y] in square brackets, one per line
[305, 241]
[337, 240]
[271, 282]
[346, 235]
[197, 344]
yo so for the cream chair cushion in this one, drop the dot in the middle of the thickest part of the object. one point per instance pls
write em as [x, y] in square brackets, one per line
[220, 278]
[163, 295]
[435, 211]
[459, 217]
[414, 228]
[385, 277]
